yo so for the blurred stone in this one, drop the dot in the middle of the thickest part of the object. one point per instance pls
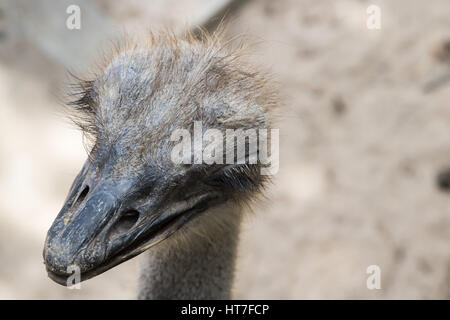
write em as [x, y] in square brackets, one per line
[441, 51]
[443, 180]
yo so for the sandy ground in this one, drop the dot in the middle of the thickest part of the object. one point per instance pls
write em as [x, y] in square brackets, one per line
[362, 142]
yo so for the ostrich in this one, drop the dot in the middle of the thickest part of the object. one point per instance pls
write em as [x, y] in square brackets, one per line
[130, 197]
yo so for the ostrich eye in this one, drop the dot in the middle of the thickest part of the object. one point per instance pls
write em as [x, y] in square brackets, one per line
[240, 178]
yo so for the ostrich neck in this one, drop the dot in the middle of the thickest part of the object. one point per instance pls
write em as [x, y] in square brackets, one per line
[197, 262]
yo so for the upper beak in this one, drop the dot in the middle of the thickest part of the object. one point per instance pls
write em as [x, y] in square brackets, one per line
[96, 230]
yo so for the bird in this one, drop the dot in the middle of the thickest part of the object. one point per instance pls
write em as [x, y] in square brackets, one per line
[130, 197]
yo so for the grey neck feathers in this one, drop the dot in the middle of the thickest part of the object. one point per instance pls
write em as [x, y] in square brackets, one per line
[197, 262]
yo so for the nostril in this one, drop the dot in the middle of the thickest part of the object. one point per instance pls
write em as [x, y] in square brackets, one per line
[82, 195]
[127, 220]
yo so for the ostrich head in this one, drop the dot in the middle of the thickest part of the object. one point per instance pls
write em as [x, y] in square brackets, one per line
[130, 194]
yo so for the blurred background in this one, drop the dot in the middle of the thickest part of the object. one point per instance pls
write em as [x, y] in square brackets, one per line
[364, 134]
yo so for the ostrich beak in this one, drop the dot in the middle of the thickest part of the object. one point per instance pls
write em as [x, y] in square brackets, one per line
[94, 233]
